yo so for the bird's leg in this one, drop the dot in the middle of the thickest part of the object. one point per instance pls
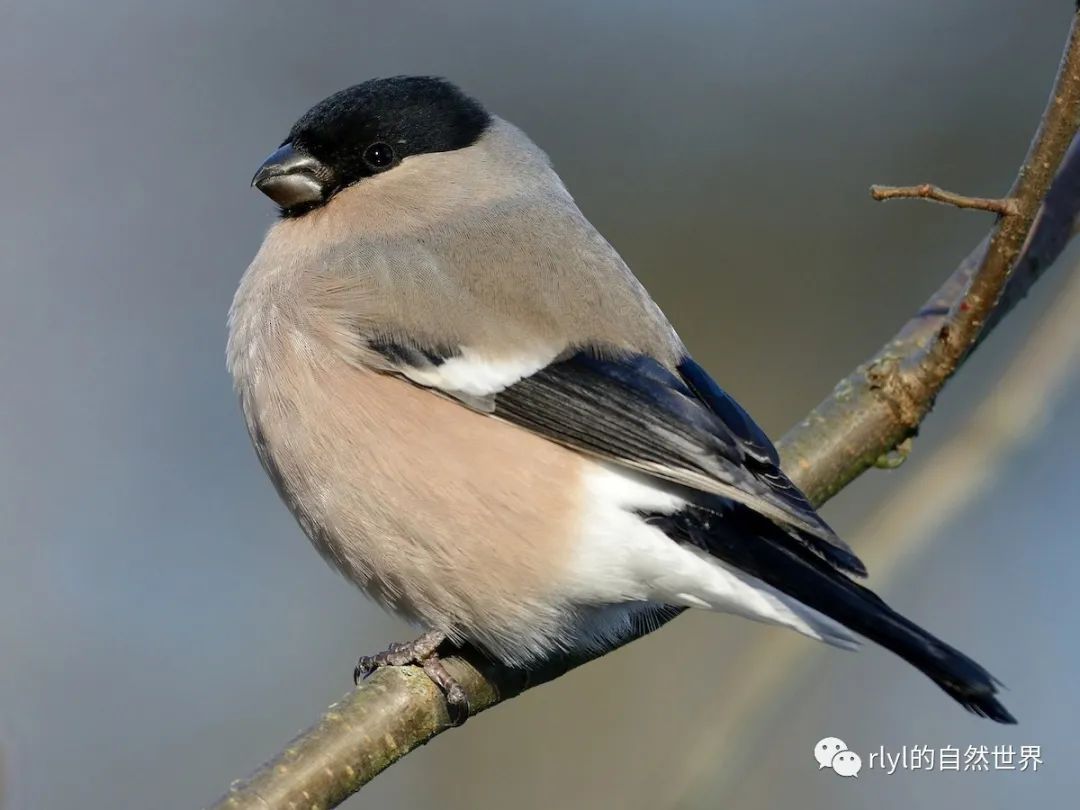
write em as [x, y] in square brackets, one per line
[424, 653]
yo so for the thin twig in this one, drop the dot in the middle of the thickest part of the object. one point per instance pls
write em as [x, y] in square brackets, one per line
[868, 414]
[1005, 206]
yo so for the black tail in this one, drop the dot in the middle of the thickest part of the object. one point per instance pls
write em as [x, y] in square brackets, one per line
[754, 544]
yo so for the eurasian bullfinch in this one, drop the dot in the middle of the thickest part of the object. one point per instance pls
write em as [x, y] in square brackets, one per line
[479, 416]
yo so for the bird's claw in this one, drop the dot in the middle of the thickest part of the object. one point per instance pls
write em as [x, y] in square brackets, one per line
[396, 655]
[423, 653]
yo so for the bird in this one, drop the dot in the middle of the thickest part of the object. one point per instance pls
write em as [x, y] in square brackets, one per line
[478, 415]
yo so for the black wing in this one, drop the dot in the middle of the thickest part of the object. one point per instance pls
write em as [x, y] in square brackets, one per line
[762, 457]
[687, 430]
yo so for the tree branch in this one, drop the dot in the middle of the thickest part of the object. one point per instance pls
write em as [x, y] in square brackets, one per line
[868, 414]
[927, 191]
[884, 400]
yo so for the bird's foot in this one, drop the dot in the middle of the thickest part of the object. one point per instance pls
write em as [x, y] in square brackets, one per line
[424, 653]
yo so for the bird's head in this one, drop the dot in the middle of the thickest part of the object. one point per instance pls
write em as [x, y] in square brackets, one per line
[363, 131]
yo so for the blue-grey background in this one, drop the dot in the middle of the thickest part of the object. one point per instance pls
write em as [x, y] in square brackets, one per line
[164, 627]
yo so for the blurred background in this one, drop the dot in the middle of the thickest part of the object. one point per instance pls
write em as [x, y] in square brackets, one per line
[165, 627]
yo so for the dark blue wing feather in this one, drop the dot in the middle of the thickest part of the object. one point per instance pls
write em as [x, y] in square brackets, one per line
[761, 452]
[730, 412]
[635, 411]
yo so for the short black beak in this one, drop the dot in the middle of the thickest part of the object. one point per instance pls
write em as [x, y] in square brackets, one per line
[291, 178]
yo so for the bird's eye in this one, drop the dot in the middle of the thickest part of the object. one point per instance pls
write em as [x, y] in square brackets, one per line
[379, 155]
